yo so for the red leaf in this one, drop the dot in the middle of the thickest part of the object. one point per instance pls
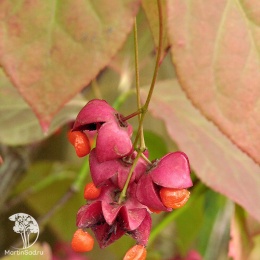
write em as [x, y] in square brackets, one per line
[217, 162]
[215, 48]
[52, 51]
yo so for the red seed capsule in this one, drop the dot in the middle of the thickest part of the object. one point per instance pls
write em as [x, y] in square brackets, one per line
[91, 192]
[137, 252]
[80, 142]
[174, 198]
[82, 241]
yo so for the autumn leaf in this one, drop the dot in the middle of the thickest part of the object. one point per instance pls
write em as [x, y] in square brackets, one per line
[216, 161]
[52, 49]
[215, 48]
[20, 125]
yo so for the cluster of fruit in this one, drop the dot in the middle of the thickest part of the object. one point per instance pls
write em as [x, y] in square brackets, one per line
[156, 186]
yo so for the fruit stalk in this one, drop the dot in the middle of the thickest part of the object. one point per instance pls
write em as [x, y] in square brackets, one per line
[140, 135]
[123, 192]
[157, 64]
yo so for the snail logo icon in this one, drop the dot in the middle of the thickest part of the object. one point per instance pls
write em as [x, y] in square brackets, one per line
[25, 225]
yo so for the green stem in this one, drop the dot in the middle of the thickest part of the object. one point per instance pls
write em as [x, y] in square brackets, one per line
[149, 96]
[138, 96]
[140, 135]
[146, 159]
[123, 192]
[158, 58]
[137, 80]
[138, 112]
